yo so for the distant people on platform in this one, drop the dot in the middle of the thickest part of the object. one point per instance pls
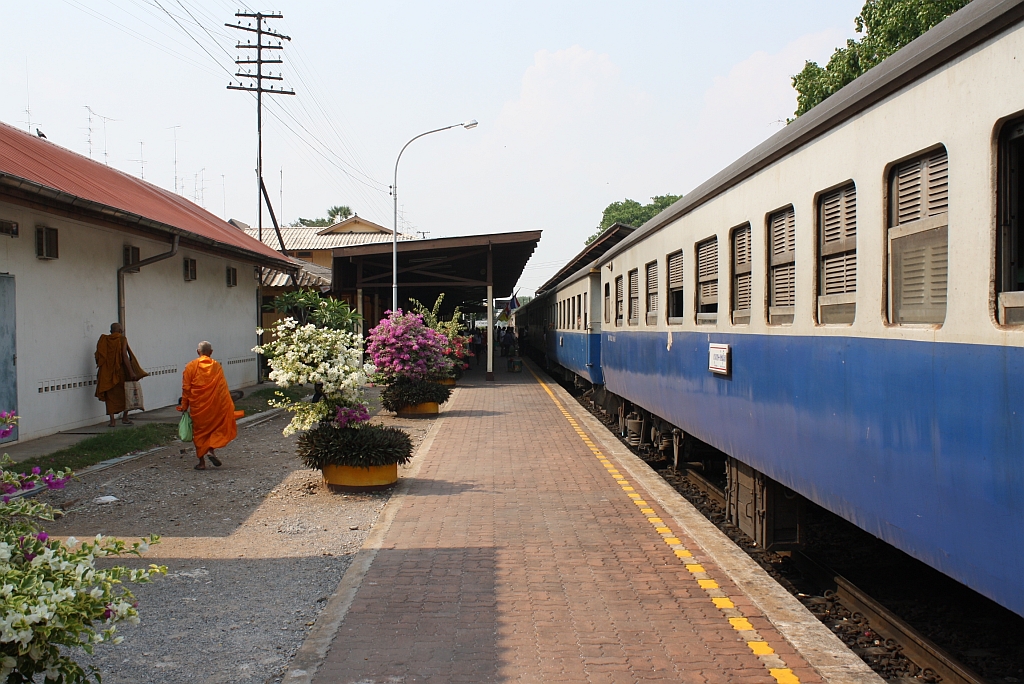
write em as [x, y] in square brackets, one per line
[478, 345]
[115, 363]
[508, 342]
[205, 395]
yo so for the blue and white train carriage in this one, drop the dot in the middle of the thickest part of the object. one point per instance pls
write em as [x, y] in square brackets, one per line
[864, 270]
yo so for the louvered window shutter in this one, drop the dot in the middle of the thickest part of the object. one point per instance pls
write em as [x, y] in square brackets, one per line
[652, 287]
[707, 272]
[675, 271]
[741, 271]
[919, 239]
[618, 299]
[634, 295]
[782, 234]
[837, 249]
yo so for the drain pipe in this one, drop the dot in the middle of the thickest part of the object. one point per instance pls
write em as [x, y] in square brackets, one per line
[135, 267]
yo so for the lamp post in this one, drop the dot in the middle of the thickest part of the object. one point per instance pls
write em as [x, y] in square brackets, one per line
[394, 194]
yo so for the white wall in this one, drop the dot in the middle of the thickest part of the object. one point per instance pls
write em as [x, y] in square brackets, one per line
[64, 305]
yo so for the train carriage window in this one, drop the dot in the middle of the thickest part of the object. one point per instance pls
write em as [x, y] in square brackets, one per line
[675, 287]
[707, 282]
[579, 311]
[837, 256]
[607, 303]
[741, 278]
[1010, 241]
[618, 301]
[634, 296]
[918, 239]
[782, 267]
[651, 282]
[585, 311]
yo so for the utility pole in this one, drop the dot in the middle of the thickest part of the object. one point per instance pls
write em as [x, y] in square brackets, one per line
[255, 85]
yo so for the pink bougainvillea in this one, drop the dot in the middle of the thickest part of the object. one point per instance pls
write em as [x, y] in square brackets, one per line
[401, 346]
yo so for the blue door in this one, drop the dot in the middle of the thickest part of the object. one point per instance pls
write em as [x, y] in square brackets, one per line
[8, 352]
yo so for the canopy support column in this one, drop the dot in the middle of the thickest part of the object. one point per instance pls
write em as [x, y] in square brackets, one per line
[490, 315]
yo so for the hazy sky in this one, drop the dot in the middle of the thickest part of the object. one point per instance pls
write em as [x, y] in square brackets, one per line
[579, 103]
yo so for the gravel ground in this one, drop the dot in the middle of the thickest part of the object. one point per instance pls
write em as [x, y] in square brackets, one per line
[253, 551]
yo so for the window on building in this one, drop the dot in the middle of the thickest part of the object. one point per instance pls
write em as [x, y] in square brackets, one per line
[918, 239]
[1010, 241]
[618, 301]
[707, 282]
[837, 250]
[9, 228]
[781, 266]
[675, 287]
[232, 276]
[130, 255]
[189, 268]
[634, 296]
[651, 281]
[46, 242]
[741, 278]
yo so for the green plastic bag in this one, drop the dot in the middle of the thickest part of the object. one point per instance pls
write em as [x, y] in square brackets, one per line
[185, 427]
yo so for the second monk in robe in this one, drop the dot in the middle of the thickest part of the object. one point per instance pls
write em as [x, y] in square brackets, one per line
[205, 395]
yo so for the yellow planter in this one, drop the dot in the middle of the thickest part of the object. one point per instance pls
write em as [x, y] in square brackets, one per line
[447, 382]
[424, 410]
[355, 479]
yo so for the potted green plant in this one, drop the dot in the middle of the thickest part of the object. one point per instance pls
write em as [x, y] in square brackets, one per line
[409, 360]
[352, 454]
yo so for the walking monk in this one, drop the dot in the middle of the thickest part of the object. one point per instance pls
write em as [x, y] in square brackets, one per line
[205, 395]
[115, 366]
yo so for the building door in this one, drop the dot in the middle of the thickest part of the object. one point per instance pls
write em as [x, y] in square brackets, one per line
[8, 352]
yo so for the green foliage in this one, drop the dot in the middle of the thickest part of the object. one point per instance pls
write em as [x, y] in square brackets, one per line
[362, 446]
[887, 26]
[308, 306]
[432, 317]
[403, 392]
[334, 215]
[266, 398]
[111, 444]
[632, 213]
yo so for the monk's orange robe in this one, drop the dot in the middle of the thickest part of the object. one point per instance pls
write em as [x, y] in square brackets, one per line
[110, 375]
[205, 394]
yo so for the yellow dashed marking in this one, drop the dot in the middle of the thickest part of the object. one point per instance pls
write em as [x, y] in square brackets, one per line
[741, 624]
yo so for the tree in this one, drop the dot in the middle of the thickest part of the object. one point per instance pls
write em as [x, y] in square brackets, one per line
[632, 213]
[887, 26]
[334, 214]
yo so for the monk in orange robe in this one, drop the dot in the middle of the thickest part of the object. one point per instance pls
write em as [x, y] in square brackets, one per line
[205, 394]
[114, 366]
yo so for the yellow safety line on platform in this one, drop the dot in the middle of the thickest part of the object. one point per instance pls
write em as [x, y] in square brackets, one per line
[755, 642]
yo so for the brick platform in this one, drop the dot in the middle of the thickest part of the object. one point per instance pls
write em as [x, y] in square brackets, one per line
[521, 553]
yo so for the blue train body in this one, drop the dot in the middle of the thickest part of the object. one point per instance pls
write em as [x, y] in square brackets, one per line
[849, 422]
[576, 351]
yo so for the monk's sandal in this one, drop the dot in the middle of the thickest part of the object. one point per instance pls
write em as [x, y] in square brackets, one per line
[214, 460]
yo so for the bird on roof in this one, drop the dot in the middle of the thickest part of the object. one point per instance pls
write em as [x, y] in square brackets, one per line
[40, 134]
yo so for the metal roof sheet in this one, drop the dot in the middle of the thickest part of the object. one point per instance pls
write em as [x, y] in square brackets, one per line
[309, 276]
[309, 238]
[39, 166]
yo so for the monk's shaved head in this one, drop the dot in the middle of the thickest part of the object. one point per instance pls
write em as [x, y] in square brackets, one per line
[115, 327]
[205, 348]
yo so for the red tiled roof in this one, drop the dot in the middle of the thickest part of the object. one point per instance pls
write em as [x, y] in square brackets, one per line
[44, 163]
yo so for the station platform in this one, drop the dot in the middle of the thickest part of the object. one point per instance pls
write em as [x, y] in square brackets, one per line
[526, 544]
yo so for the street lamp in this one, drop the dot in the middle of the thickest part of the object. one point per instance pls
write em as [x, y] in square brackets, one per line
[394, 194]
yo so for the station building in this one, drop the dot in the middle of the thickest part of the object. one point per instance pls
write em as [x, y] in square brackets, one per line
[83, 245]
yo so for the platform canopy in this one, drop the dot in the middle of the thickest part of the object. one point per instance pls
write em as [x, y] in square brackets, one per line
[461, 267]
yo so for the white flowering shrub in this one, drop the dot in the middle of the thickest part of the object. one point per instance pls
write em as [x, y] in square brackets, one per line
[53, 598]
[308, 355]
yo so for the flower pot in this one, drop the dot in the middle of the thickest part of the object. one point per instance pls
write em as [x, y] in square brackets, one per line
[449, 382]
[424, 410]
[356, 479]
